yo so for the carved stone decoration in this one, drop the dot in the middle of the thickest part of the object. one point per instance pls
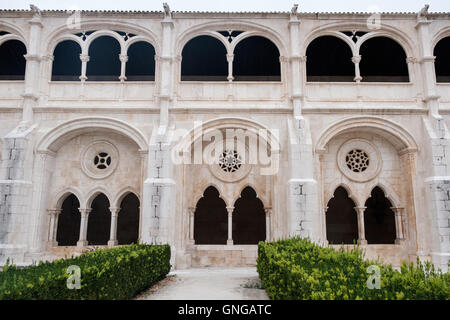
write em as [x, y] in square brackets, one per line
[99, 159]
[230, 166]
[359, 160]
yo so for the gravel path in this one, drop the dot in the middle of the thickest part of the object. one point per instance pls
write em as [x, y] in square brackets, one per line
[208, 284]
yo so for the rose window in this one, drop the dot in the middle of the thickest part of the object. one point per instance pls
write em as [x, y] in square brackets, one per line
[102, 160]
[230, 161]
[357, 160]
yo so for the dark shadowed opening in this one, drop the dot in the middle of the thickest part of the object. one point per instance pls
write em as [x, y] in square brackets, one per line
[204, 59]
[128, 220]
[12, 60]
[341, 219]
[211, 219]
[249, 219]
[379, 219]
[141, 62]
[383, 60]
[329, 59]
[104, 62]
[442, 62]
[66, 61]
[68, 232]
[256, 59]
[99, 222]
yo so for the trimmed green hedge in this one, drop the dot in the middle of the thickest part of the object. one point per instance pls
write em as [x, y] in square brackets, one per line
[117, 273]
[300, 269]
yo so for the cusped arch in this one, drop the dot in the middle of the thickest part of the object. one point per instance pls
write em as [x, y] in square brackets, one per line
[91, 195]
[62, 195]
[62, 133]
[258, 190]
[332, 189]
[389, 192]
[400, 138]
[219, 189]
[122, 193]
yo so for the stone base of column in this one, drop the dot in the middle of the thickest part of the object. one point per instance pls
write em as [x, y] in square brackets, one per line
[113, 243]
[229, 242]
[82, 243]
[400, 241]
[191, 242]
[362, 242]
[52, 243]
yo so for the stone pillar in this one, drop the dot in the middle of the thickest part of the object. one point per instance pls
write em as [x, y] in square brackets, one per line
[268, 211]
[30, 95]
[191, 212]
[83, 227]
[361, 232]
[230, 58]
[230, 225]
[296, 66]
[54, 216]
[166, 75]
[113, 231]
[356, 60]
[123, 62]
[84, 60]
[398, 212]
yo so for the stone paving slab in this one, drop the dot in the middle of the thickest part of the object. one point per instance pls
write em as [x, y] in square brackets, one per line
[208, 284]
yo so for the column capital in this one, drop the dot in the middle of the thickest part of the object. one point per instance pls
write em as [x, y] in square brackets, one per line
[84, 57]
[360, 209]
[191, 211]
[268, 211]
[85, 211]
[123, 57]
[356, 59]
[397, 210]
[230, 211]
[114, 210]
[54, 212]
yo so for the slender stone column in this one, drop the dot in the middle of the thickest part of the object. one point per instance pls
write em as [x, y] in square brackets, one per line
[113, 231]
[230, 58]
[54, 215]
[83, 227]
[230, 225]
[356, 60]
[268, 211]
[361, 231]
[123, 62]
[398, 225]
[191, 212]
[84, 60]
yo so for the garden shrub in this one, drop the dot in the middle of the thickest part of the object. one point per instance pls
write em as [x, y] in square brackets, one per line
[116, 273]
[300, 269]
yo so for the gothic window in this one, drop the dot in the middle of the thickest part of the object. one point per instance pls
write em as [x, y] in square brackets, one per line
[68, 230]
[379, 219]
[341, 219]
[249, 219]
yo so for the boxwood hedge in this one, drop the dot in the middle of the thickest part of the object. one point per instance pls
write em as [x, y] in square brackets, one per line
[300, 269]
[116, 273]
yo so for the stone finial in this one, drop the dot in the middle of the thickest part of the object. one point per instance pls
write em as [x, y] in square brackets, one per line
[423, 12]
[294, 9]
[35, 9]
[167, 12]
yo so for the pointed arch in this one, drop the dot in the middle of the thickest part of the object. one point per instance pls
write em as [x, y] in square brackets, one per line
[211, 219]
[379, 219]
[68, 228]
[99, 220]
[341, 218]
[249, 218]
[128, 219]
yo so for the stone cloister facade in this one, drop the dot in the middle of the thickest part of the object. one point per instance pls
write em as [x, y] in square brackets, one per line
[213, 131]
